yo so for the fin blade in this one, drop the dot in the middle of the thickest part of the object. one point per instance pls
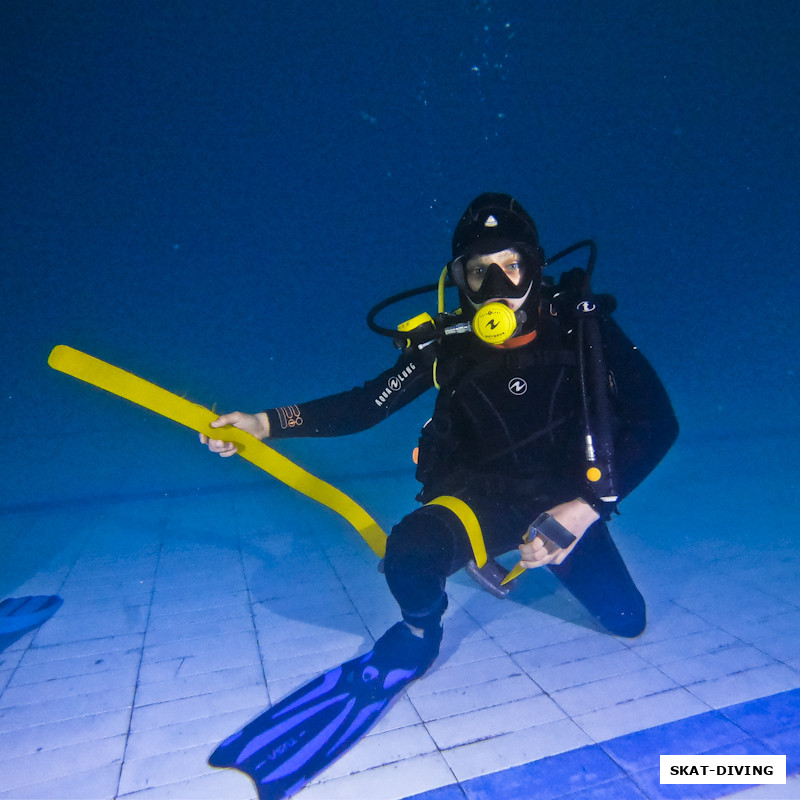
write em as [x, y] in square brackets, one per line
[286, 746]
[24, 613]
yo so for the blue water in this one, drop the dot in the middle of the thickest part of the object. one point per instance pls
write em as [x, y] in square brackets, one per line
[212, 196]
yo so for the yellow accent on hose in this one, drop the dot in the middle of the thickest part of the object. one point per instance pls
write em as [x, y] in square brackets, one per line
[440, 291]
[415, 322]
[137, 390]
[470, 522]
[440, 309]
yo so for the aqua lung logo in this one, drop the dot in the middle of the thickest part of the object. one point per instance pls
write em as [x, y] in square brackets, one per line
[394, 384]
[517, 386]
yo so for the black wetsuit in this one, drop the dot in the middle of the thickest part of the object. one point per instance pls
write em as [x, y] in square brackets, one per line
[506, 436]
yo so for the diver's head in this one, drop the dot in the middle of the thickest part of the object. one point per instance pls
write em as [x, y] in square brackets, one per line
[497, 257]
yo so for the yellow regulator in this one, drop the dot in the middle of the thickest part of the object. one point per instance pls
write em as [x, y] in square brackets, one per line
[494, 323]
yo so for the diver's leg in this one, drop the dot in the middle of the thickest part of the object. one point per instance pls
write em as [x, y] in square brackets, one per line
[423, 549]
[596, 575]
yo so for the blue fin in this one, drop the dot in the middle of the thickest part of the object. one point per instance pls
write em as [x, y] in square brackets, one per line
[290, 743]
[20, 615]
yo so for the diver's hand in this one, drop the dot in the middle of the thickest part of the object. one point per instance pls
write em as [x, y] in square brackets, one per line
[576, 516]
[255, 424]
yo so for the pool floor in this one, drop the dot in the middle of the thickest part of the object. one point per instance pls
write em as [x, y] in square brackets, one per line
[186, 614]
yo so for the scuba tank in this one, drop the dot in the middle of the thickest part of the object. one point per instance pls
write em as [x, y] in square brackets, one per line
[574, 298]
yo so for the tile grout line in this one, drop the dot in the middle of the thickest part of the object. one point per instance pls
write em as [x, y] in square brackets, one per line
[632, 649]
[627, 773]
[37, 630]
[630, 776]
[737, 636]
[405, 694]
[162, 530]
[261, 654]
[739, 641]
[569, 716]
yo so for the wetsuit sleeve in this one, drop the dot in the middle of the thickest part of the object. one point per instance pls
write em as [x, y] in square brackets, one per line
[359, 408]
[646, 426]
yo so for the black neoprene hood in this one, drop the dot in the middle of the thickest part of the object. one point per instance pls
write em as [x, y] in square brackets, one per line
[491, 223]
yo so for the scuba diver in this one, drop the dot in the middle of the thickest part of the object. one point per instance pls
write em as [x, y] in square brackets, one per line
[533, 440]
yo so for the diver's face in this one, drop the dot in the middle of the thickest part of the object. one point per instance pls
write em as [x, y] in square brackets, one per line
[477, 266]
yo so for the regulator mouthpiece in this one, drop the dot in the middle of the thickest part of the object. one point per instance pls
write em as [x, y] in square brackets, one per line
[494, 323]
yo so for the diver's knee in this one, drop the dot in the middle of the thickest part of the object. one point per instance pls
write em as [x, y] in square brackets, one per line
[419, 539]
[628, 623]
[402, 548]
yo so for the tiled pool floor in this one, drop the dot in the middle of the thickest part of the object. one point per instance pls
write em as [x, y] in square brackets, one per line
[184, 616]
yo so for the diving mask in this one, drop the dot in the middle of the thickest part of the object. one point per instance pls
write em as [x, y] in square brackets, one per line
[508, 275]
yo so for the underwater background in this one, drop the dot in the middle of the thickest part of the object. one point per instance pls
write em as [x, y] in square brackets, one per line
[212, 196]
